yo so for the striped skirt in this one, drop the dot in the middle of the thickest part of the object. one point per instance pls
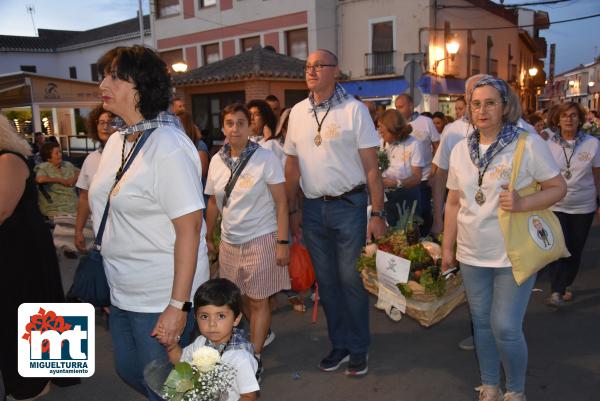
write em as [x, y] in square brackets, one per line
[252, 266]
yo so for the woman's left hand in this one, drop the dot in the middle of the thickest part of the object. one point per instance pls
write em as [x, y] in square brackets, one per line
[282, 254]
[389, 182]
[170, 325]
[510, 200]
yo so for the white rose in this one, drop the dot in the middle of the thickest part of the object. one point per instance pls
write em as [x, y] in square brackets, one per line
[205, 359]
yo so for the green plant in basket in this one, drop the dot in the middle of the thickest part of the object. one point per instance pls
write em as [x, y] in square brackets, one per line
[383, 160]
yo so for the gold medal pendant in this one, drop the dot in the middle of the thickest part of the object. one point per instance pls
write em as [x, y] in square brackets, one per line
[567, 174]
[479, 197]
[318, 139]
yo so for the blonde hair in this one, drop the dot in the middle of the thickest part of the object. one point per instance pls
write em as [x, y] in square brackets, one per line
[393, 120]
[11, 140]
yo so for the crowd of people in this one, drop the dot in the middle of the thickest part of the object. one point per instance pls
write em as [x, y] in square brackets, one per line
[303, 174]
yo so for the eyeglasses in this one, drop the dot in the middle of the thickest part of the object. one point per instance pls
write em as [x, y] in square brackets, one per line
[572, 116]
[103, 123]
[476, 105]
[317, 67]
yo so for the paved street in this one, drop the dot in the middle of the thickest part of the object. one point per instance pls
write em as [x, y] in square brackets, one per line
[408, 362]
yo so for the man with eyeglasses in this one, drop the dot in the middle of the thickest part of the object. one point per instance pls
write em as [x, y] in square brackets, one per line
[332, 147]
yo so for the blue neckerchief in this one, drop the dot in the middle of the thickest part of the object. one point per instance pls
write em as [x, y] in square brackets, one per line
[238, 340]
[579, 137]
[507, 134]
[225, 154]
[163, 119]
[338, 97]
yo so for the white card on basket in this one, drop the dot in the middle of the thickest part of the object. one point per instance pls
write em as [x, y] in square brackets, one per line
[391, 269]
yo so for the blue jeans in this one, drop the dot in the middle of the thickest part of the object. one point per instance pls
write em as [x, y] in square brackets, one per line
[334, 233]
[134, 348]
[497, 307]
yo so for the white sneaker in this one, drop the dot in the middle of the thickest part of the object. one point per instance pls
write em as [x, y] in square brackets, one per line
[467, 344]
[270, 338]
[490, 393]
[514, 397]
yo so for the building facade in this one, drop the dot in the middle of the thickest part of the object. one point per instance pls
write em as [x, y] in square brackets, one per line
[65, 63]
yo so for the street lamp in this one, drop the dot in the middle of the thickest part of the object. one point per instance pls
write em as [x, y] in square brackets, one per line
[452, 48]
[179, 67]
[591, 83]
[533, 71]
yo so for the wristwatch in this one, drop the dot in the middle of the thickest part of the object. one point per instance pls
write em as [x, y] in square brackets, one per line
[380, 214]
[182, 306]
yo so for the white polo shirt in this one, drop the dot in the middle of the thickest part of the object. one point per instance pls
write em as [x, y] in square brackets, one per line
[424, 130]
[581, 188]
[479, 240]
[334, 167]
[250, 210]
[403, 156]
[453, 133]
[138, 246]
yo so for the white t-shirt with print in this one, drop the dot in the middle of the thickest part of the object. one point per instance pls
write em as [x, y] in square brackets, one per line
[250, 210]
[334, 167]
[243, 361]
[425, 131]
[276, 147]
[162, 184]
[88, 170]
[480, 241]
[581, 188]
[453, 133]
[403, 156]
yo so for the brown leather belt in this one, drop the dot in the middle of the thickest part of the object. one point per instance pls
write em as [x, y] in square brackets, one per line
[355, 190]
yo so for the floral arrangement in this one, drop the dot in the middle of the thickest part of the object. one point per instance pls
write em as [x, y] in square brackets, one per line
[383, 160]
[592, 127]
[205, 379]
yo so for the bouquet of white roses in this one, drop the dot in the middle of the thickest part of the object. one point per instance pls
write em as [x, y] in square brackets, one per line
[205, 379]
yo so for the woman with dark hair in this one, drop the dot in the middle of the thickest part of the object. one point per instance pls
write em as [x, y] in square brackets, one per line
[153, 250]
[27, 256]
[99, 130]
[402, 178]
[262, 120]
[253, 252]
[57, 180]
[439, 120]
[578, 156]
[478, 186]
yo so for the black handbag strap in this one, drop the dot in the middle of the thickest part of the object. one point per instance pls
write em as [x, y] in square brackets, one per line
[145, 135]
[235, 175]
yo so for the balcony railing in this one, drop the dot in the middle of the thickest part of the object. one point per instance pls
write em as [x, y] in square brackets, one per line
[380, 63]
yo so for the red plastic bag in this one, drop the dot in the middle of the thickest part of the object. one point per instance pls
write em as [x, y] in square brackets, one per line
[302, 274]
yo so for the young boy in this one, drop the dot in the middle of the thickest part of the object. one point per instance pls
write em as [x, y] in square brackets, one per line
[217, 306]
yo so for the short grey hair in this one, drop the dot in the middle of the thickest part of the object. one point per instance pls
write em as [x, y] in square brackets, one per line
[512, 110]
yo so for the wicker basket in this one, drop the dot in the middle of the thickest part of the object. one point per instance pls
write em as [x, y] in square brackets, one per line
[427, 309]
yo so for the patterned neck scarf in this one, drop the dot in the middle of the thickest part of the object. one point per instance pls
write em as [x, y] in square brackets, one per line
[163, 119]
[338, 97]
[507, 134]
[225, 154]
[238, 340]
[557, 137]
